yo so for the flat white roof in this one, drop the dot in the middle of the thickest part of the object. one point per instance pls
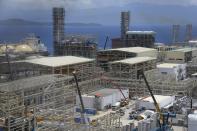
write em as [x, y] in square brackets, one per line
[168, 65]
[59, 61]
[187, 49]
[141, 32]
[159, 98]
[195, 74]
[135, 60]
[133, 49]
[193, 41]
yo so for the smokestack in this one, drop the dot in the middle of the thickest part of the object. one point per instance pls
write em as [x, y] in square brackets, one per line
[125, 20]
[58, 29]
[175, 33]
[188, 33]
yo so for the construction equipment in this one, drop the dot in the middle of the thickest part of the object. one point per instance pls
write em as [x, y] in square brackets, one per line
[83, 121]
[123, 102]
[162, 116]
[106, 40]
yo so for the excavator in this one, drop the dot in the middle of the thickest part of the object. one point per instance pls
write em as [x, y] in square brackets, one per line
[163, 117]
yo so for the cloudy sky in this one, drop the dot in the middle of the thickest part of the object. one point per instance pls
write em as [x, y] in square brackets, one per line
[103, 11]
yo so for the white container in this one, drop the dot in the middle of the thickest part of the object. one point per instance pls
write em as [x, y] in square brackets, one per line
[192, 122]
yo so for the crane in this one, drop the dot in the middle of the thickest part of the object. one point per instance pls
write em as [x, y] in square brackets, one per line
[125, 101]
[83, 120]
[106, 40]
[162, 116]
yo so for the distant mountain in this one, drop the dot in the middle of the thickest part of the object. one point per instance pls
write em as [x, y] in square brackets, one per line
[22, 22]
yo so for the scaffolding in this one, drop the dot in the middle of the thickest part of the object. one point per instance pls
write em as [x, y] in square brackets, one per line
[58, 29]
[160, 84]
[79, 45]
[23, 100]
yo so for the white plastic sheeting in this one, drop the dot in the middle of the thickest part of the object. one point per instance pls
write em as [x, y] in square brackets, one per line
[162, 101]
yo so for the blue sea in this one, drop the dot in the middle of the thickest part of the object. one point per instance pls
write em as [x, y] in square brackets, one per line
[17, 33]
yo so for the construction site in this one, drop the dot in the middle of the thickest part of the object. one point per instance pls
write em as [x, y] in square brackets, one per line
[81, 88]
[71, 45]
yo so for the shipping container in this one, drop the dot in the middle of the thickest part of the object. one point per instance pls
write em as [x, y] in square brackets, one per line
[87, 111]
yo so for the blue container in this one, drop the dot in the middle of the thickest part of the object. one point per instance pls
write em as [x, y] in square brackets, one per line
[77, 120]
[78, 110]
[90, 111]
[80, 120]
[87, 111]
[1, 129]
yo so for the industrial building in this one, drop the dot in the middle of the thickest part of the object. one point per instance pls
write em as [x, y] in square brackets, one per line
[183, 55]
[50, 65]
[79, 45]
[103, 98]
[175, 34]
[176, 70]
[130, 68]
[132, 38]
[125, 22]
[163, 50]
[135, 38]
[71, 45]
[105, 56]
[58, 29]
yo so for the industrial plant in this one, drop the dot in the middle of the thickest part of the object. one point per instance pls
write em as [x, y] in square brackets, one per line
[135, 86]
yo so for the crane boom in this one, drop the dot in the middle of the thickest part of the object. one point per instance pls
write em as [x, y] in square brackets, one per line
[106, 40]
[80, 97]
[151, 93]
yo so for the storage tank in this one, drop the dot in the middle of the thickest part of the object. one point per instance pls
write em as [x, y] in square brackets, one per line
[23, 48]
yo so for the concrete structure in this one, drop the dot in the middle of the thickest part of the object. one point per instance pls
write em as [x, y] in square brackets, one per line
[175, 34]
[148, 103]
[183, 55]
[72, 45]
[136, 38]
[100, 99]
[177, 70]
[125, 20]
[58, 29]
[105, 56]
[188, 32]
